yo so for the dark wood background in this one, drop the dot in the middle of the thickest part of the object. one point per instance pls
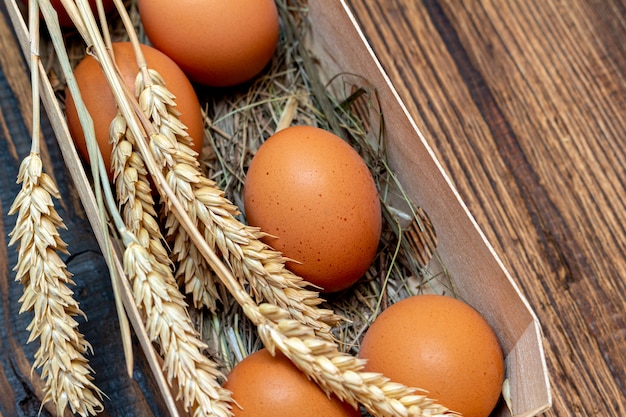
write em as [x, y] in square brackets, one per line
[523, 102]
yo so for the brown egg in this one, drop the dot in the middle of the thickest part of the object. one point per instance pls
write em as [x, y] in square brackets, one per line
[216, 42]
[268, 386]
[100, 103]
[314, 193]
[442, 345]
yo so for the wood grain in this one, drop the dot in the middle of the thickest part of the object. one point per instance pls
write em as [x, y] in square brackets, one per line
[524, 103]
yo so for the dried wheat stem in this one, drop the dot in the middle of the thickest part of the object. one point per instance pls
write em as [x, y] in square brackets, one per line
[155, 290]
[256, 264]
[62, 350]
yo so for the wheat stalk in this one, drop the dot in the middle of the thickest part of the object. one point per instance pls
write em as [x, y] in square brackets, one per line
[62, 349]
[191, 273]
[255, 262]
[155, 290]
[318, 357]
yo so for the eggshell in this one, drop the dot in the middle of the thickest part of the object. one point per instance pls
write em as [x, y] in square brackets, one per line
[315, 194]
[100, 103]
[268, 386]
[440, 344]
[216, 42]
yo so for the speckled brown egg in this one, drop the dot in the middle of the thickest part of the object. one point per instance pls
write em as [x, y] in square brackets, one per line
[268, 386]
[440, 344]
[314, 194]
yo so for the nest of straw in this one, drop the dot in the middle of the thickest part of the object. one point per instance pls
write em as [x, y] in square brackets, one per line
[237, 121]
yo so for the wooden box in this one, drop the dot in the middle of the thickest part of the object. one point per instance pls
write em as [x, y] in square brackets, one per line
[478, 275]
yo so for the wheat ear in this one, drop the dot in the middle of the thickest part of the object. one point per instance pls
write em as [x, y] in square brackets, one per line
[133, 190]
[191, 273]
[155, 289]
[334, 371]
[255, 263]
[62, 349]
